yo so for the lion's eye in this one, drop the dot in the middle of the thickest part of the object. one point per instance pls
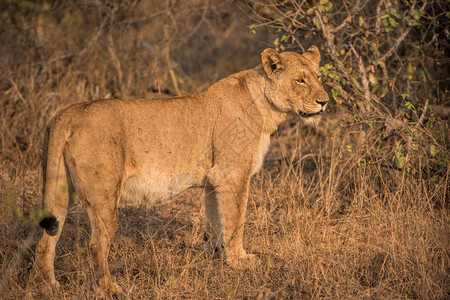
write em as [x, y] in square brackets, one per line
[300, 81]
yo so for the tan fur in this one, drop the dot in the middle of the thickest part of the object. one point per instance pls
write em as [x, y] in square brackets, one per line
[156, 149]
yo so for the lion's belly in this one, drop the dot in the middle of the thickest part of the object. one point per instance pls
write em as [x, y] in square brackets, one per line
[157, 188]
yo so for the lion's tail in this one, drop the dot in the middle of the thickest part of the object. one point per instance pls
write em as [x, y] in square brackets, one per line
[55, 176]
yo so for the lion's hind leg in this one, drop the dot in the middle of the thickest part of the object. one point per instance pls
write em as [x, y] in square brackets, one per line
[103, 215]
[213, 236]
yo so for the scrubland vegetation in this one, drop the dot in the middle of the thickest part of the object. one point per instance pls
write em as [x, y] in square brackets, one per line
[355, 208]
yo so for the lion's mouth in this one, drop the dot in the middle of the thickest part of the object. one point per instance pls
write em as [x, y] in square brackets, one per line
[307, 115]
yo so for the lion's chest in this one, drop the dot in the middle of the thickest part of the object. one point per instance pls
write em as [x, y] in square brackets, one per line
[263, 147]
[155, 188]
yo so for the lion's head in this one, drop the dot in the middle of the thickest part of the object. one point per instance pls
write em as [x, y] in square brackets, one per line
[294, 83]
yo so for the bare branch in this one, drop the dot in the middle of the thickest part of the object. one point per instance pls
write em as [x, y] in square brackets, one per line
[362, 75]
[394, 46]
[205, 10]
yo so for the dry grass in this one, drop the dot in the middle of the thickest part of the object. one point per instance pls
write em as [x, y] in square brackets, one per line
[322, 226]
[326, 217]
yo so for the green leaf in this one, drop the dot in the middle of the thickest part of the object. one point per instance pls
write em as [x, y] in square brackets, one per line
[320, 8]
[355, 82]
[417, 14]
[400, 158]
[316, 22]
[393, 22]
[326, 69]
[421, 74]
[394, 13]
[361, 21]
[410, 106]
[433, 150]
[335, 94]
[276, 43]
[334, 75]
[284, 39]
[411, 21]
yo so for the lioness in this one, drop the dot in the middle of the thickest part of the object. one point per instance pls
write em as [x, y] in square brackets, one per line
[216, 139]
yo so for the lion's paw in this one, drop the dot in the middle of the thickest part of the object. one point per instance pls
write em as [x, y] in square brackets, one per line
[107, 287]
[56, 285]
[213, 252]
[246, 261]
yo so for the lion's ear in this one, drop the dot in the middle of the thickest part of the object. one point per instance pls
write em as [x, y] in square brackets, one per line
[313, 55]
[272, 63]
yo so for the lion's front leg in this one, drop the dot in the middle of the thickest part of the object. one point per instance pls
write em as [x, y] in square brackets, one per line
[226, 205]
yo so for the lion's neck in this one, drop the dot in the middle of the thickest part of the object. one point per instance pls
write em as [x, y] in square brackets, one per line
[270, 114]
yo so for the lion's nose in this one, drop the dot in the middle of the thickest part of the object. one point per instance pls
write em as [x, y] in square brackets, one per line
[323, 103]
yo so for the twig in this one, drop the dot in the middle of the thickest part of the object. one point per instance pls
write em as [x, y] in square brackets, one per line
[225, 34]
[417, 126]
[394, 47]
[377, 23]
[422, 117]
[88, 46]
[23, 247]
[382, 65]
[24, 102]
[343, 24]
[298, 43]
[399, 40]
[115, 61]
[205, 10]
[329, 37]
[362, 71]
[143, 19]
[173, 77]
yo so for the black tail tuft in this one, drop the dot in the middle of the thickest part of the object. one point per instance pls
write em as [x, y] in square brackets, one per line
[50, 224]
